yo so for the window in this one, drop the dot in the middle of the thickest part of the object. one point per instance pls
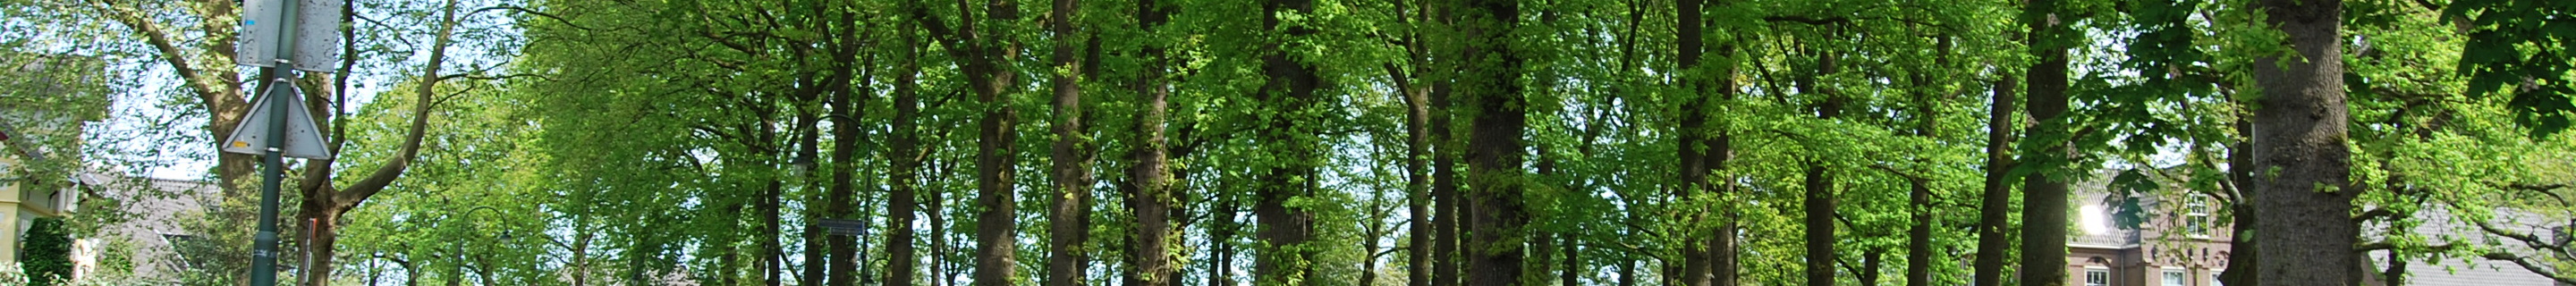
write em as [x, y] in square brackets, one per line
[2195, 215]
[2097, 277]
[2213, 280]
[2174, 277]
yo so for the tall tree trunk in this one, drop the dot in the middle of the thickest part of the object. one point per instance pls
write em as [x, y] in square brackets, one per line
[2241, 258]
[1152, 199]
[1918, 246]
[1994, 203]
[812, 272]
[1449, 207]
[1709, 260]
[1416, 91]
[2044, 199]
[843, 192]
[1819, 205]
[1417, 164]
[1697, 246]
[2304, 188]
[1068, 225]
[1221, 239]
[905, 151]
[323, 204]
[1819, 199]
[935, 208]
[1288, 95]
[848, 108]
[1870, 261]
[729, 265]
[1495, 151]
[1572, 271]
[772, 250]
[984, 57]
[1444, 189]
[997, 223]
[1627, 272]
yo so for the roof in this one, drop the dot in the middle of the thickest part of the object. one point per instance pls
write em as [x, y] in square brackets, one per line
[2467, 271]
[155, 207]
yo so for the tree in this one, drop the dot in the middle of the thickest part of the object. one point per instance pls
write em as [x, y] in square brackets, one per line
[46, 253]
[2303, 171]
[1071, 216]
[2044, 195]
[982, 47]
[1490, 86]
[1288, 100]
[905, 151]
[1151, 199]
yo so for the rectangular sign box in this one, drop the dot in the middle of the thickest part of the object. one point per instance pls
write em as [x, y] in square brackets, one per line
[317, 34]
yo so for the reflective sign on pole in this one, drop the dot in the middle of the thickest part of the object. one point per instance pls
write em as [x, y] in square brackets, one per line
[317, 38]
[302, 139]
[843, 227]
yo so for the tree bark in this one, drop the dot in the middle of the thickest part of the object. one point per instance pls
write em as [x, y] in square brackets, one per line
[1151, 201]
[1444, 189]
[1994, 206]
[816, 248]
[1450, 208]
[1698, 265]
[1221, 240]
[1287, 96]
[1819, 199]
[2303, 179]
[849, 110]
[2044, 199]
[1069, 221]
[1570, 274]
[1495, 151]
[1819, 205]
[2241, 258]
[324, 205]
[1417, 164]
[984, 57]
[1918, 246]
[906, 155]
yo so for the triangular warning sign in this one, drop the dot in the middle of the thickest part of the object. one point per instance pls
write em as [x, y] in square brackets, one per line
[302, 139]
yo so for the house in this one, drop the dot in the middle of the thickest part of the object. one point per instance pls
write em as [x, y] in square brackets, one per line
[154, 208]
[2184, 239]
[44, 106]
[2181, 242]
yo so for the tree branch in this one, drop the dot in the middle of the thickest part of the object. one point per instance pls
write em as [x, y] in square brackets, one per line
[349, 197]
[207, 88]
[2529, 266]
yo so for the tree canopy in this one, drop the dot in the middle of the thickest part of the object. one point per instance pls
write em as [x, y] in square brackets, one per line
[1331, 142]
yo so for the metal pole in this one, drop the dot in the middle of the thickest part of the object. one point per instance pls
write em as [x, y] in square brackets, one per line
[263, 264]
[468, 219]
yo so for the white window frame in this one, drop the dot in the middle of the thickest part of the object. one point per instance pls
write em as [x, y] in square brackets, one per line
[2175, 276]
[2091, 272]
[2195, 216]
[2213, 279]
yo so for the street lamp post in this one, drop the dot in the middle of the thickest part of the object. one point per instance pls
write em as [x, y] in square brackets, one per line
[458, 276]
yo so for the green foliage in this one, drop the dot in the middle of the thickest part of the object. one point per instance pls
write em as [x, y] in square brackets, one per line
[618, 142]
[2521, 48]
[46, 253]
